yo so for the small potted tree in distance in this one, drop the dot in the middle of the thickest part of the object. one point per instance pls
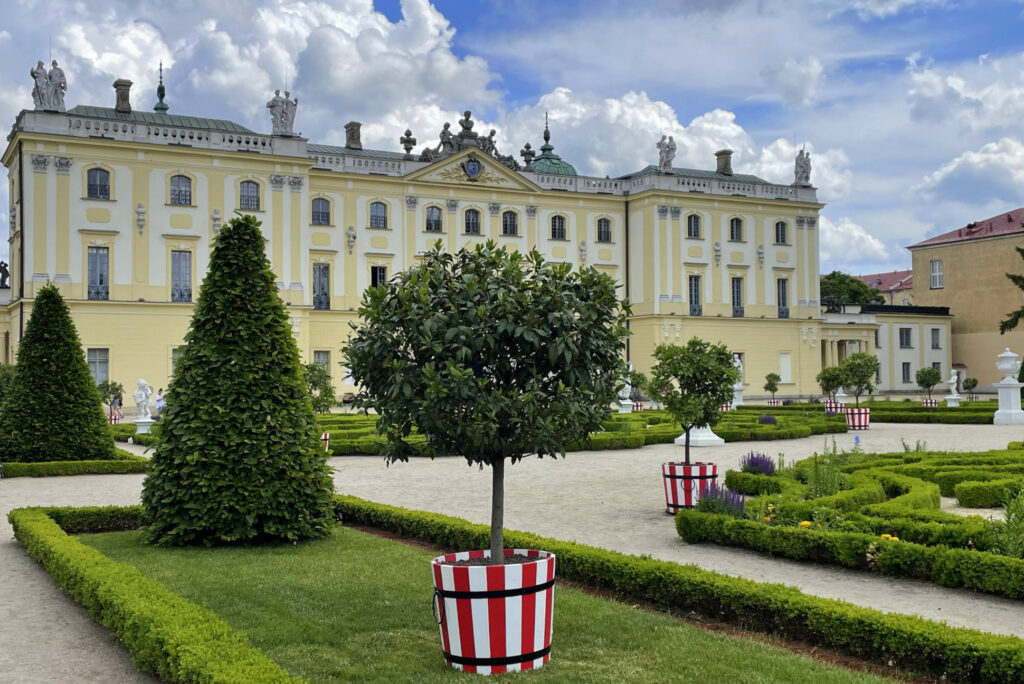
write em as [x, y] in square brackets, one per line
[830, 379]
[771, 385]
[692, 382]
[970, 384]
[927, 378]
[859, 371]
[494, 356]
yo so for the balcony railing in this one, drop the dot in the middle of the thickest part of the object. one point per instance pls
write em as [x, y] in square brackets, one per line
[181, 294]
[98, 292]
[737, 311]
[321, 302]
[783, 312]
[695, 309]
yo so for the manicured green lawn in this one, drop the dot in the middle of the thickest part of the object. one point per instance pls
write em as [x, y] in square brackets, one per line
[355, 607]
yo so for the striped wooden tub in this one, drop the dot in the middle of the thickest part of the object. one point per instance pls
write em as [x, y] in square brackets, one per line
[684, 484]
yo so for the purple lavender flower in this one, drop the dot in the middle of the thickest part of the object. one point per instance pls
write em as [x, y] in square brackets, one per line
[760, 464]
[717, 499]
[767, 419]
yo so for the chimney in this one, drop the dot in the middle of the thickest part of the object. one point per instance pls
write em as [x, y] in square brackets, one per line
[123, 103]
[724, 158]
[352, 140]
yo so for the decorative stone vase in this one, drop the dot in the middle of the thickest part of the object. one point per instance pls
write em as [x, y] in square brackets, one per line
[685, 484]
[929, 403]
[495, 618]
[858, 418]
[775, 402]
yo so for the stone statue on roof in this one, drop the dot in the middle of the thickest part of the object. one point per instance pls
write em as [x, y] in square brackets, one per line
[447, 144]
[488, 146]
[802, 168]
[288, 115]
[58, 85]
[467, 139]
[666, 153]
[41, 89]
[276, 107]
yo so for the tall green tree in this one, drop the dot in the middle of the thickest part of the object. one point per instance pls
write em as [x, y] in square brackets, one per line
[492, 355]
[859, 373]
[845, 289]
[927, 378]
[692, 381]
[237, 458]
[51, 410]
[830, 379]
[1013, 318]
[319, 387]
[771, 383]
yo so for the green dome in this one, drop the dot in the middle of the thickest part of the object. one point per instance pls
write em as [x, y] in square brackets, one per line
[549, 162]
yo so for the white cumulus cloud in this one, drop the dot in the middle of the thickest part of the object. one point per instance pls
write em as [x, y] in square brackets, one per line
[849, 247]
[797, 81]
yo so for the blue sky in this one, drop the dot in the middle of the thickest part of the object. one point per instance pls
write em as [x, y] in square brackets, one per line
[912, 109]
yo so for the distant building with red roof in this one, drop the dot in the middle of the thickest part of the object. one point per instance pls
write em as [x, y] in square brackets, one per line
[897, 286]
[965, 269]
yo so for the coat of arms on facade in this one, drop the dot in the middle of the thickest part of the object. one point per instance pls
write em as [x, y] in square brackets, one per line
[472, 170]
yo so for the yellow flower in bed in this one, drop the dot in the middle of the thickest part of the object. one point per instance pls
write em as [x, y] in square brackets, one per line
[771, 507]
[886, 536]
[894, 539]
[767, 518]
[805, 523]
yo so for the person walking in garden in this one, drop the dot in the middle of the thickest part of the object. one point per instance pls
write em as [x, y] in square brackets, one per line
[160, 401]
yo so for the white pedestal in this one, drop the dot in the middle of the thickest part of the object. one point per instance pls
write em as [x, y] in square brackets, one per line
[953, 402]
[700, 437]
[1009, 412]
[737, 396]
[841, 397]
[625, 406]
[142, 425]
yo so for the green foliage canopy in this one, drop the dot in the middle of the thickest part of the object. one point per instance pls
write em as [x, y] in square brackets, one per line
[109, 390]
[771, 383]
[319, 387]
[846, 289]
[1013, 318]
[859, 372]
[692, 381]
[927, 378]
[51, 410]
[237, 459]
[830, 379]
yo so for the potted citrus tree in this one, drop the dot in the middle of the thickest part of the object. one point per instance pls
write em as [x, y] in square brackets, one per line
[830, 380]
[494, 356]
[771, 385]
[692, 381]
[859, 372]
[927, 378]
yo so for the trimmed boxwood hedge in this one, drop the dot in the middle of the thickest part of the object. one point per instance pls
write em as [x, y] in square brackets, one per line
[166, 634]
[988, 494]
[125, 463]
[960, 655]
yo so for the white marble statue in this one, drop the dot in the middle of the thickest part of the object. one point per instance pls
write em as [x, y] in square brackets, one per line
[583, 252]
[41, 89]
[58, 85]
[952, 383]
[666, 152]
[802, 168]
[288, 113]
[142, 395]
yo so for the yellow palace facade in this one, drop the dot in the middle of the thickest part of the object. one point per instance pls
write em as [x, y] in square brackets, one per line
[119, 208]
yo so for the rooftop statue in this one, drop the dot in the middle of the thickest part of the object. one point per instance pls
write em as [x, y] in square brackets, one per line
[666, 153]
[447, 144]
[48, 91]
[802, 168]
[282, 113]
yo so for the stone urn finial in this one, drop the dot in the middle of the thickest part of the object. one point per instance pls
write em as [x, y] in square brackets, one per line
[1009, 365]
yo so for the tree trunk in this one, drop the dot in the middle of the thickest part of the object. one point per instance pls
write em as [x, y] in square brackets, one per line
[686, 450]
[497, 512]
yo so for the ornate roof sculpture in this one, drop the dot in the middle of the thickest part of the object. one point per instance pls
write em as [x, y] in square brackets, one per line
[547, 161]
[161, 107]
[466, 139]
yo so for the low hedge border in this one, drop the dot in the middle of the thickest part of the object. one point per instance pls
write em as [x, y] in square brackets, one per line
[125, 462]
[911, 642]
[988, 494]
[979, 570]
[166, 634]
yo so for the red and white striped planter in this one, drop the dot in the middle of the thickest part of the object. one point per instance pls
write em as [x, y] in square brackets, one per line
[858, 418]
[495, 618]
[685, 484]
[929, 403]
[725, 407]
[326, 439]
[833, 407]
[775, 402]
[115, 419]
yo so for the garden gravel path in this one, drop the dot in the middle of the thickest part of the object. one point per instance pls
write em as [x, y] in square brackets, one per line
[612, 499]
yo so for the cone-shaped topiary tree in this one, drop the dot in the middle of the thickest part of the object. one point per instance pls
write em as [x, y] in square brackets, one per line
[51, 410]
[237, 458]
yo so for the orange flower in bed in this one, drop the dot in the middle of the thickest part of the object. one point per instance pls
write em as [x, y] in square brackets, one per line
[805, 523]
[767, 518]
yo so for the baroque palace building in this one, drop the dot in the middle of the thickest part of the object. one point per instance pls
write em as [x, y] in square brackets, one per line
[119, 208]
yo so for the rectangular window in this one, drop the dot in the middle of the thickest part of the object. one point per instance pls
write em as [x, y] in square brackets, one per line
[936, 340]
[782, 292]
[604, 230]
[935, 268]
[905, 341]
[322, 286]
[695, 301]
[737, 297]
[175, 358]
[322, 357]
[786, 366]
[98, 182]
[878, 338]
[433, 220]
[510, 224]
[906, 371]
[693, 227]
[99, 273]
[99, 364]
[378, 275]
[321, 212]
[937, 365]
[780, 233]
[181, 276]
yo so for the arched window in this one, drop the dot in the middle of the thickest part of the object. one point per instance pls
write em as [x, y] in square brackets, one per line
[433, 220]
[98, 181]
[558, 228]
[181, 190]
[378, 215]
[510, 223]
[693, 226]
[736, 229]
[472, 222]
[604, 230]
[249, 195]
[780, 233]
[321, 212]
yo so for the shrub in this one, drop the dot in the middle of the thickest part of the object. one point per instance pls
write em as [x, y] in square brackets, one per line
[757, 463]
[752, 484]
[771, 383]
[51, 410]
[987, 494]
[319, 387]
[927, 378]
[766, 419]
[787, 402]
[1010, 535]
[238, 459]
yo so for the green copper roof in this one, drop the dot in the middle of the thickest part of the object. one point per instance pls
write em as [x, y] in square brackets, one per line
[549, 162]
[157, 119]
[696, 173]
[315, 148]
